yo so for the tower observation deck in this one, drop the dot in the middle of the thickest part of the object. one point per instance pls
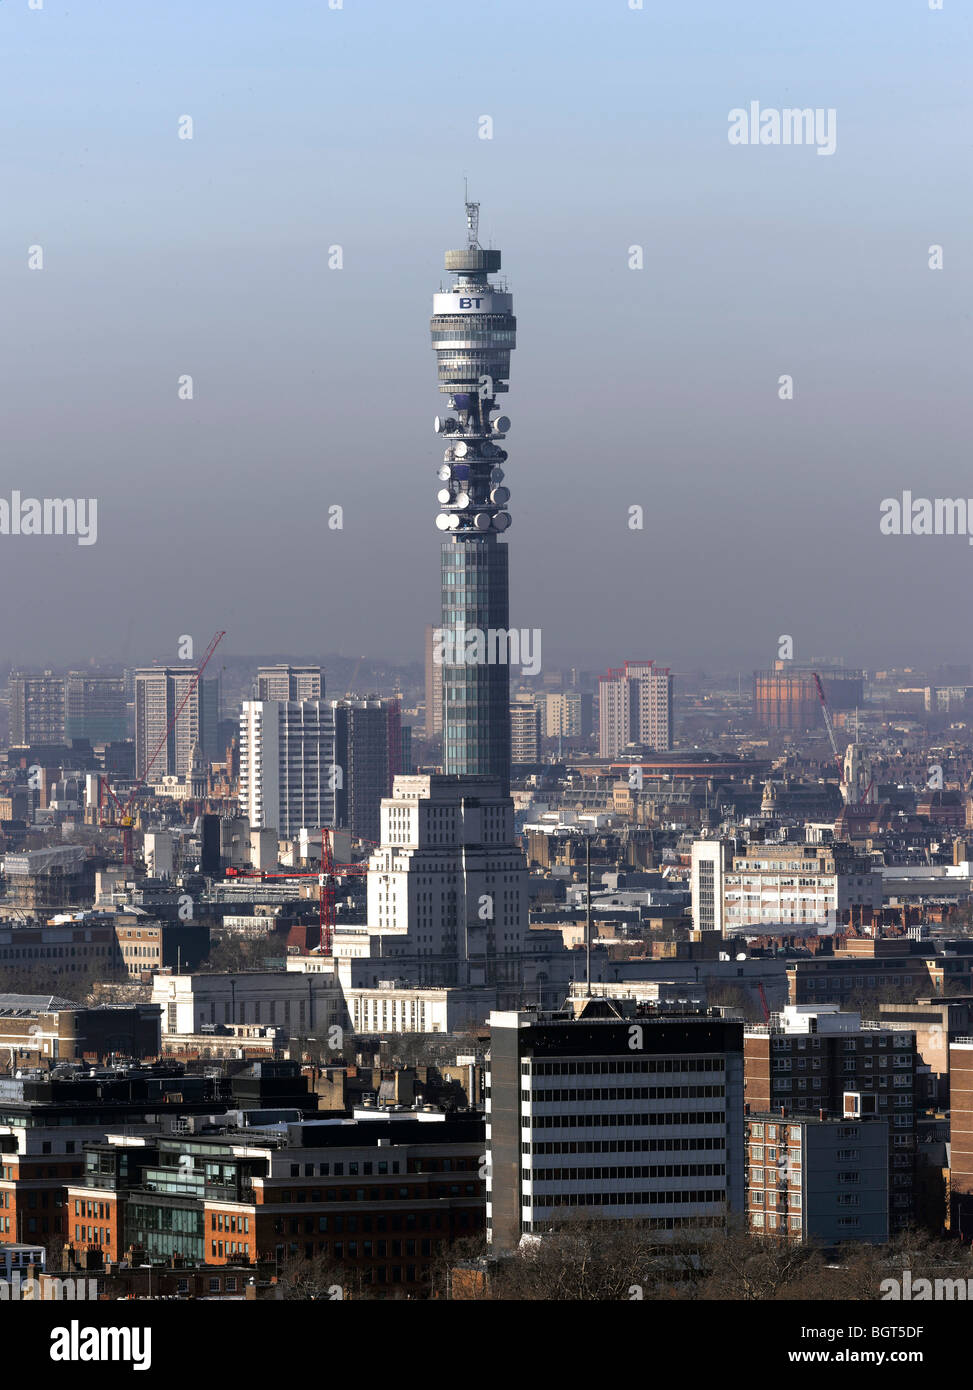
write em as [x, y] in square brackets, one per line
[473, 331]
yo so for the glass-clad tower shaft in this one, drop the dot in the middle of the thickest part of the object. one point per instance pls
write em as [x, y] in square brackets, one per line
[473, 331]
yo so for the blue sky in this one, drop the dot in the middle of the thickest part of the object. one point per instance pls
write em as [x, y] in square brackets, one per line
[355, 127]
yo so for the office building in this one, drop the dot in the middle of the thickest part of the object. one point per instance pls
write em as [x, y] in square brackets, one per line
[710, 860]
[302, 1004]
[617, 1113]
[447, 884]
[788, 884]
[288, 765]
[36, 709]
[159, 693]
[95, 707]
[368, 750]
[287, 683]
[473, 333]
[635, 708]
[885, 968]
[377, 1195]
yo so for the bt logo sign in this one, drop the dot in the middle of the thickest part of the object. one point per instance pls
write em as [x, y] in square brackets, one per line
[467, 303]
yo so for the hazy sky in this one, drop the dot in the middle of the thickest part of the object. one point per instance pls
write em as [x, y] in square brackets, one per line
[313, 387]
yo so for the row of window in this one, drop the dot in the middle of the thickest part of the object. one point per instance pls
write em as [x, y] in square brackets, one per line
[624, 1066]
[601, 1093]
[662, 1170]
[324, 1170]
[622, 1146]
[627, 1199]
[657, 1117]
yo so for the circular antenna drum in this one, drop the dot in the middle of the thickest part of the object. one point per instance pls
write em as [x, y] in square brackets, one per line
[496, 476]
[499, 495]
[460, 450]
[443, 496]
[437, 425]
[482, 521]
[452, 521]
[501, 424]
[444, 473]
[442, 521]
[462, 499]
[501, 521]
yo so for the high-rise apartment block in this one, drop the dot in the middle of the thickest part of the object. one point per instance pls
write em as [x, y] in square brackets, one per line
[635, 707]
[290, 683]
[288, 767]
[525, 732]
[818, 1059]
[568, 714]
[159, 692]
[818, 1178]
[36, 709]
[621, 1113]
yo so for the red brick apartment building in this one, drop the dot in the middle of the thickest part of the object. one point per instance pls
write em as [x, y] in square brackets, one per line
[809, 1059]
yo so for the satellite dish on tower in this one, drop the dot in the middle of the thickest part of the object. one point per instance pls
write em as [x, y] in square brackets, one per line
[460, 450]
[442, 521]
[482, 521]
[500, 495]
[445, 473]
[443, 495]
[501, 424]
[501, 521]
[437, 425]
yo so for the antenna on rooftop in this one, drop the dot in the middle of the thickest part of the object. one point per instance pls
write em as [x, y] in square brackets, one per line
[472, 218]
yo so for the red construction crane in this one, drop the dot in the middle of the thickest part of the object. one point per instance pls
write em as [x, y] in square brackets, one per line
[126, 819]
[829, 726]
[763, 1000]
[329, 871]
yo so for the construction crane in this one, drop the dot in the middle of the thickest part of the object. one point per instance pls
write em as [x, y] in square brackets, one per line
[763, 1000]
[329, 872]
[354, 677]
[829, 726]
[125, 816]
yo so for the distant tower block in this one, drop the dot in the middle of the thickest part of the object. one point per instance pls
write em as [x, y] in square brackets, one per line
[473, 332]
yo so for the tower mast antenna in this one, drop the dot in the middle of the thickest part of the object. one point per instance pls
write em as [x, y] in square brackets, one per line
[472, 219]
